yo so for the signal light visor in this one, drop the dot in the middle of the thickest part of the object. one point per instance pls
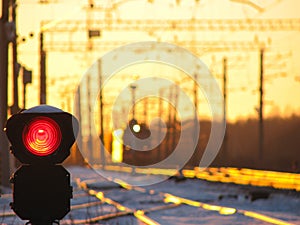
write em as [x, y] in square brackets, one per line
[42, 136]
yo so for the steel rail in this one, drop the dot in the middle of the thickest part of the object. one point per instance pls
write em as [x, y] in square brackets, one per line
[170, 198]
[138, 213]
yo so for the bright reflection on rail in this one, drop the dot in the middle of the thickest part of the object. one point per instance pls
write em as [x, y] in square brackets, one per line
[243, 176]
[263, 178]
[140, 214]
[264, 218]
[178, 200]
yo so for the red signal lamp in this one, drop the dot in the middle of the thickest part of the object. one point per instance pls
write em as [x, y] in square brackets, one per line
[42, 136]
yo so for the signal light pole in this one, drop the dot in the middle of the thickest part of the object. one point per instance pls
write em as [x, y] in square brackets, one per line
[3, 93]
[41, 138]
[225, 141]
[43, 91]
[261, 105]
[101, 123]
[16, 66]
[133, 88]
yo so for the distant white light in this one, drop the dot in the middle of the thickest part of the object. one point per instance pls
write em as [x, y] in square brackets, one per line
[136, 128]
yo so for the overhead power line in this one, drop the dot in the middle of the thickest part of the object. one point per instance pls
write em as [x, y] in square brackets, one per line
[196, 25]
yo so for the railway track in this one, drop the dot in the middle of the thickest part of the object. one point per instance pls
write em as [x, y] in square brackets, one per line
[167, 201]
[114, 201]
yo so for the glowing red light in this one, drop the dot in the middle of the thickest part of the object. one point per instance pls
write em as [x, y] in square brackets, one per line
[42, 136]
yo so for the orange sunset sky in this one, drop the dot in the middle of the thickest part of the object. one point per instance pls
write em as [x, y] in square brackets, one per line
[65, 69]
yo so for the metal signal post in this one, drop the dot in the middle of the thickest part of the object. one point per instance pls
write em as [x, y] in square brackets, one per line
[4, 155]
[261, 105]
[41, 138]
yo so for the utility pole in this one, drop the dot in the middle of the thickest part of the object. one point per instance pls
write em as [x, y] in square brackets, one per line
[195, 133]
[43, 90]
[4, 149]
[174, 138]
[90, 116]
[133, 142]
[101, 115]
[225, 104]
[79, 117]
[195, 90]
[261, 105]
[160, 109]
[170, 122]
[133, 88]
[16, 66]
[24, 92]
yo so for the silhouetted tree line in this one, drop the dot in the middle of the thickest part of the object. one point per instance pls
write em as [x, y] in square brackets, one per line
[281, 150]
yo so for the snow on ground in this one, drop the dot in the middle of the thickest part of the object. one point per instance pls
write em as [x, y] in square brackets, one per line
[284, 205]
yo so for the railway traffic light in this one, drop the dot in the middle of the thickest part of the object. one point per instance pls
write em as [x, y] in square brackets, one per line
[134, 126]
[140, 130]
[41, 138]
[136, 134]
